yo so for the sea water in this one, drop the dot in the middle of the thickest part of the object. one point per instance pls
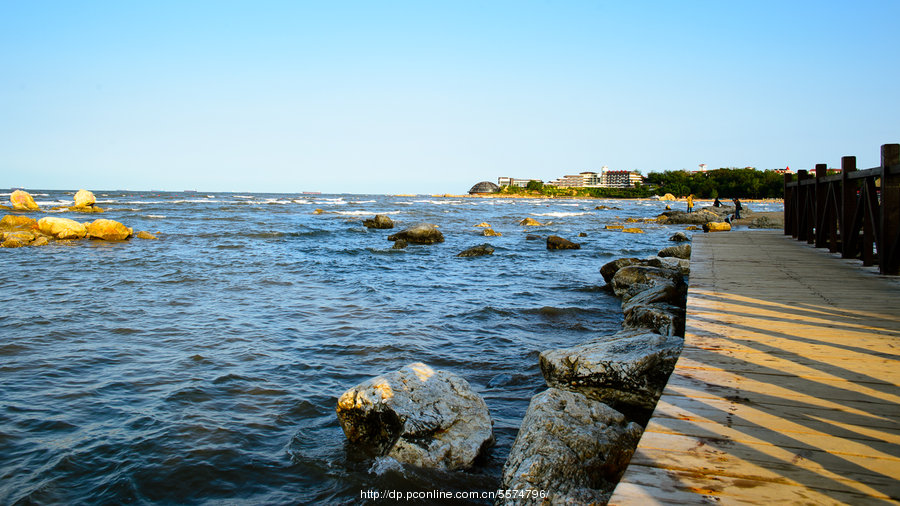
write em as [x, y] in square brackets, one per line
[205, 366]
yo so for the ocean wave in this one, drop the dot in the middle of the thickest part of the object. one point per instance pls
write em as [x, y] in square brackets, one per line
[560, 214]
[363, 213]
[156, 216]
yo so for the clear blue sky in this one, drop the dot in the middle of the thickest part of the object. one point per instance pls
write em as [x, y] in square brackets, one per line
[428, 97]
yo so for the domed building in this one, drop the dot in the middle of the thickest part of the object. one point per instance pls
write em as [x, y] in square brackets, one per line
[484, 187]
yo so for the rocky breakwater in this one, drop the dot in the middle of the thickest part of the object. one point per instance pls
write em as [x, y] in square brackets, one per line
[577, 437]
[418, 416]
[18, 231]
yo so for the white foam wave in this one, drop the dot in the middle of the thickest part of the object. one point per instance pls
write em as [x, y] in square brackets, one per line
[385, 464]
[157, 216]
[362, 213]
[559, 214]
[244, 196]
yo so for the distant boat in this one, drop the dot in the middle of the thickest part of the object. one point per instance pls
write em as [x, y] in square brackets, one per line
[312, 193]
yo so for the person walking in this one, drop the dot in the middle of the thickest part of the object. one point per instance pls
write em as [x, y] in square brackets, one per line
[690, 203]
[737, 208]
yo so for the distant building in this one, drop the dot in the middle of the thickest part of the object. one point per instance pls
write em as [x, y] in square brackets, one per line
[484, 187]
[512, 181]
[621, 179]
[786, 170]
[604, 179]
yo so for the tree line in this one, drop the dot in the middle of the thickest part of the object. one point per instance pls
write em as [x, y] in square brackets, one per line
[745, 183]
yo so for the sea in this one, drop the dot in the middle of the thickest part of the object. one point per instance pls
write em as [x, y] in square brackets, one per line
[204, 367]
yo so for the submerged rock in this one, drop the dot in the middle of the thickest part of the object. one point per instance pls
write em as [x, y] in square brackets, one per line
[483, 224]
[400, 244]
[531, 222]
[571, 447]
[489, 232]
[418, 416]
[626, 370]
[143, 234]
[679, 237]
[680, 251]
[14, 222]
[21, 200]
[16, 239]
[380, 222]
[108, 230]
[477, 251]
[556, 242]
[61, 228]
[423, 233]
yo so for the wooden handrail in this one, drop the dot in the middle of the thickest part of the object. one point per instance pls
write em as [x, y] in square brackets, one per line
[856, 212]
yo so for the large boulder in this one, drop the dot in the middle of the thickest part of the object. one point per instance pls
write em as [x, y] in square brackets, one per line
[15, 239]
[108, 230]
[380, 221]
[671, 263]
[21, 200]
[680, 251]
[570, 450]
[477, 251]
[530, 222]
[418, 416]
[556, 242]
[61, 228]
[84, 198]
[13, 222]
[696, 218]
[713, 226]
[665, 319]
[679, 237]
[422, 233]
[610, 269]
[626, 370]
[633, 279]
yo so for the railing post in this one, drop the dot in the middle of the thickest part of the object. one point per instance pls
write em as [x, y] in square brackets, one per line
[889, 235]
[788, 194]
[802, 197]
[820, 238]
[848, 207]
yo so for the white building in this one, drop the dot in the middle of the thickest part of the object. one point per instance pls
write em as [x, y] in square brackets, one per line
[511, 181]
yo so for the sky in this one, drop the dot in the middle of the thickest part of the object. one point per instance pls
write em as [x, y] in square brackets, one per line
[433, 97]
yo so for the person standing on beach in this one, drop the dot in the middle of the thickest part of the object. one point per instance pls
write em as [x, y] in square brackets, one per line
[737, 208]
[690, 203]
[717, 203]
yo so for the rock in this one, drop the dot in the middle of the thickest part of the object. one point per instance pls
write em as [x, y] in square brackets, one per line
[632, 230]
[61, 228]
[767, 222]
[633, 279]
[693, 227]
[668, 197]
[626, 370]
[318, 211]
[143, 234]
[607, 208]
[477, 251]
[717, 227]
[582, 234]
[15, 239]
[418, 416]
[423, 233]
[483, 224]
[663, 292]
[400, 244]
[682, 218]
[13, 222]
[679, 237]
[84, 198]
[680, 251]
[531, 222]
[676, 264]
[108, 230]
[569, 446]
[489, 232]
[380, 222]
[668, 207]
[556, 242]
[609, 269]
[40, 241]
[664, 319]
[614, 227]
[532, 237]
[88, 209]
[21, 200]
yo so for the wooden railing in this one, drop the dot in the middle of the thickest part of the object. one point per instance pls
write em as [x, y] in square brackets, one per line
[856, 212]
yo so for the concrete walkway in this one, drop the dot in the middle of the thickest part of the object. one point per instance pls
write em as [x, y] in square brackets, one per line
[788, 389]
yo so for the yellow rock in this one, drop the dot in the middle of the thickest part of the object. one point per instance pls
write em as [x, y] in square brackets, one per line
[667, 196]
[108, 230]
[633, 230]
[143, 234]
[531, 222]
[489, 232]
[15, 239]
[717, 226]
[318, 211]
[632, 220]
[614, 227]
[668, 207]
[483, 224]
[22, 201]
[86, 209]
[61, 228]
[84, 198]
[40, 241]
[11, 221]
[693, 227]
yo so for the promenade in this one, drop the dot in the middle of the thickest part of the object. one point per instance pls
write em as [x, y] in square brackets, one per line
[788, 388]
